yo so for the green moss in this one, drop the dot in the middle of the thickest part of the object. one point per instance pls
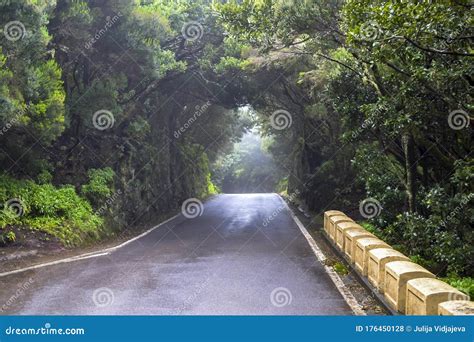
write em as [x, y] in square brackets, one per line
[211, 188]
[340, 268]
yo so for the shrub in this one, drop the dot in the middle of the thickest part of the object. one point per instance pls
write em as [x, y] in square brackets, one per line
[99, 186]
[44, 177]
[7, 237]
[59, 212]
[465, 285]
[439, 235]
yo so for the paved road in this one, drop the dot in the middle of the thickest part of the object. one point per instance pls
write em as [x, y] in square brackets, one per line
[243, 255]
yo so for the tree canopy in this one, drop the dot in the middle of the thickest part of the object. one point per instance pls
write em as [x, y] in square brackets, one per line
[357, 102]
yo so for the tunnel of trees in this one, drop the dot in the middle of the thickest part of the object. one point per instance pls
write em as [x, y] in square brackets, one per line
[114, 112]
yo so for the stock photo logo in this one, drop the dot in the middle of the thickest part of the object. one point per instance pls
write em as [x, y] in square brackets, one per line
[281, 119]
[280, 297]
[15, 206]
[192, 31]
[459, 119]
[370, 31]
[458, 296]
[370, 208]
[14, 31]
[103, 119]
[103, 297]
[109, 23]
[192, 208]
[20, 291]
[199, 110]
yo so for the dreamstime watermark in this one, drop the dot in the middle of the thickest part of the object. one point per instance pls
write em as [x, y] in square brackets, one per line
[46, 330]
[192, 208]
[453, 36]
[103, 119]
[370, 122]
[12, 122]
[192, 31]
[281, 297]
[458, 296]
[459, 119]
[15, 205]
[109, 22]
[281, 119]
[457, 210]
[370, 30]
[275, 213]
[108, 202]
[200, 110]
[370, 208]
[14, 31]
[103, 297]
[191, 299]
[18, 293]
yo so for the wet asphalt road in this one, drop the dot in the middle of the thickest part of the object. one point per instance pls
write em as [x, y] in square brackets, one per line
[244, 255]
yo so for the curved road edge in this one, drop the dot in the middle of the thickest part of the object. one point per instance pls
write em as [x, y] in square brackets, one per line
[90, 255]
[345, 292]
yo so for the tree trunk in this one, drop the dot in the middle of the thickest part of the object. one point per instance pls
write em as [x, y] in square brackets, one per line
[410, 168]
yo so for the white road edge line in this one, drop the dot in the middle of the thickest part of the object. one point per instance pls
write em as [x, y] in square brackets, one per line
[342, 288]
[90, 255]
[336, 279]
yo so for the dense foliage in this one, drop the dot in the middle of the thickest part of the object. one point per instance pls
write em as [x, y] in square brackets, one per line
[119, 104]
[60, 212]
[380, 94]
[127, 107]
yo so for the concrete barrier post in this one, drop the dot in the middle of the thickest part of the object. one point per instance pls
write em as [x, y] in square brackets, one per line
[397, 274]
[327, 215]
[350, 238]
[340, 229]
[333, 221]
[361, 254]
[425, 294]
[378, 258]
[456, 308]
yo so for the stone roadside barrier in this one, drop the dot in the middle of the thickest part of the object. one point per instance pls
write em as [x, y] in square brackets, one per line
[378, 258]
[397, 274]
[327, 215]
[350, 240]
[340, 229]
[407, 287]
[362, 249]
[456, 308]
[333, 221]
[424, 296]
